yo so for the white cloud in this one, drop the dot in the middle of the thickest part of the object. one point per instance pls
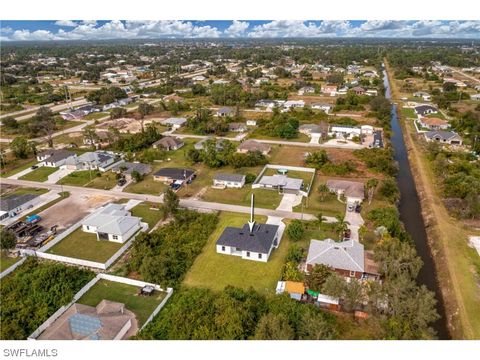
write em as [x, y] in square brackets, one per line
[67, 23]
[237, 29]
[115, 29]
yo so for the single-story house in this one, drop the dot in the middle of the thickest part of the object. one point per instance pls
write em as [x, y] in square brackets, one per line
[174, 123]
[219, 143]
[109, 320]
[54, 158]
[171, 175]
[293, 104]
[251, 122]
[252, 145]
[168, 143]
[98, 160]
[321, 106]
[366, 129]
[229, 180]
[225, 111]
[344, 131]
[329, 89]
[475, 97]
[256, 245]
[346, 258]
[424, 95]
[295, 289]
[112, 223]
[358, 90]
[282, 183]
[433, 123]
[12, 205]
[127, 168]
[371, 92]
[237, 127]
[353, 191]
[444, 137]
[425, 109]
[306, 90]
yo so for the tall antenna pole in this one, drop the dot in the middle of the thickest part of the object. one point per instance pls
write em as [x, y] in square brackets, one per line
[251, 223]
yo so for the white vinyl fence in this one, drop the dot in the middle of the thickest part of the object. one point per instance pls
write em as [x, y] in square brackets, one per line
[89, 285]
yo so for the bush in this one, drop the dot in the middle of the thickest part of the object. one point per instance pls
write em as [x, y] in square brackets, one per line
[295, 230]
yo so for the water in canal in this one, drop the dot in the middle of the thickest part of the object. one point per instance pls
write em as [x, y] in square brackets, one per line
[411, 216]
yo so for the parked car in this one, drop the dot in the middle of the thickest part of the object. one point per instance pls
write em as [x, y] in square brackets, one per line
[121, 181]
[347, 233]
[358, 208]
[34, 167]
[350, 207]
[175, 187]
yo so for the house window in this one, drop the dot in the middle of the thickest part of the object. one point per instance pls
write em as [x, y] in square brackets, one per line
[114, 237]
[88, 227]
[259, 256]
[223, 248]
[352, 273]
[248, 253]
[238, 249]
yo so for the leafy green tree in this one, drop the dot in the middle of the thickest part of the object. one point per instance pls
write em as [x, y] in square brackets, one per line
[136, 176]
[171, 201]
[19, 147]
[341, 225]
[317, 159]
[7, 239]
[389, 189]
[351, 292]
[291, 272]
[117, 113]
[317, 277]
[274, 327]
[295, 230]
[315, 325]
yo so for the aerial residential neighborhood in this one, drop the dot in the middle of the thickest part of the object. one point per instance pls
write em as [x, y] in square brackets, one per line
[197, 188]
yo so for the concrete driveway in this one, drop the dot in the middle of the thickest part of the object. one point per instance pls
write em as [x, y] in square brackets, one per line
[57, 175]
[289, 201]
[315, 138]
[355, 220]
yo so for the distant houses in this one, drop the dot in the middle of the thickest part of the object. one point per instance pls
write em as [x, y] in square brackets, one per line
[168, 143]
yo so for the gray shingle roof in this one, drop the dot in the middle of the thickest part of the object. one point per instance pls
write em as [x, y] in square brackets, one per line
[346, 255]
[444, 135]
[229, 177]
[130, 167]
[175, 173]
[11, 202]
[260, 240]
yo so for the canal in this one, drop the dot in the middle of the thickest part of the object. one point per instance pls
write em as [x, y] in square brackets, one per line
[411, 216]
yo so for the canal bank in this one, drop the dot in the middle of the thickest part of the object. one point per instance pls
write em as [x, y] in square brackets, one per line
[411, 215]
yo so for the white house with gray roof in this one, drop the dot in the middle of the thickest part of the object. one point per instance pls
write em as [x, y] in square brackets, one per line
[112, 223]
[12, 205]
[223, 180]
[98, 160]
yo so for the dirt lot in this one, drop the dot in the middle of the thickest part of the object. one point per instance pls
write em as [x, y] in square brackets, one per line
[127, 124]
[71, 210]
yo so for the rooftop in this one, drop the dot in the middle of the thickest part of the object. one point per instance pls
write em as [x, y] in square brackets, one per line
[260, 240]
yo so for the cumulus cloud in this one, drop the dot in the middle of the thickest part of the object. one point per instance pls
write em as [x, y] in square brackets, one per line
[237, 29]
[116, 29]
[67, 23]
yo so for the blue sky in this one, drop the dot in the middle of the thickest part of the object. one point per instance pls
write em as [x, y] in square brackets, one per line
[115, 29]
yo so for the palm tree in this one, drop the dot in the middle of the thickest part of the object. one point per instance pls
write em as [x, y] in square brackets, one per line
[323, 190]
[341, 226]
[320, 220]
[370, 187]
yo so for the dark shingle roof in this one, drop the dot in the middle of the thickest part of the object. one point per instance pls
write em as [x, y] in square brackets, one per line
[11, 202]
[259, 240]
[130, 167]
[175, 173]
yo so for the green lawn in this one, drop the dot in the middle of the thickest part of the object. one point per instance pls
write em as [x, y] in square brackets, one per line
[329, 206]
[96, 115]
[267, 199]
[141, 306]
[94, 179]
[147, 213]
[28, 190]
[83, 245]
[14, 166]
[7, 261]
[215, 271]
[409, 112]
[147, 186]
[41, 174]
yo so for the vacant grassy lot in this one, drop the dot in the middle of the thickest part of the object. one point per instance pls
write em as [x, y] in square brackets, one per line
[106, 181]
[147, 212]
[83, 245]
[14, 165]
[409, 112]
[215, 271]
[79, 178]
[27, 190]
[288, 155]
[7, 261]
[267, 199]
[96, 115]
[141, 306]
[41, 174]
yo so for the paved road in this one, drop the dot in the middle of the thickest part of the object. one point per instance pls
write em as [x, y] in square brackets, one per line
[466, 75]
[28, 113]
[187, 203]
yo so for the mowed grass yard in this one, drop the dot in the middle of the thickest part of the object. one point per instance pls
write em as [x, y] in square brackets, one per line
[7, 261]
[148, 213]
[94, 179]
[215, 271]
[83, 245]
[267, 199]
[41, 174]
[141, 306]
